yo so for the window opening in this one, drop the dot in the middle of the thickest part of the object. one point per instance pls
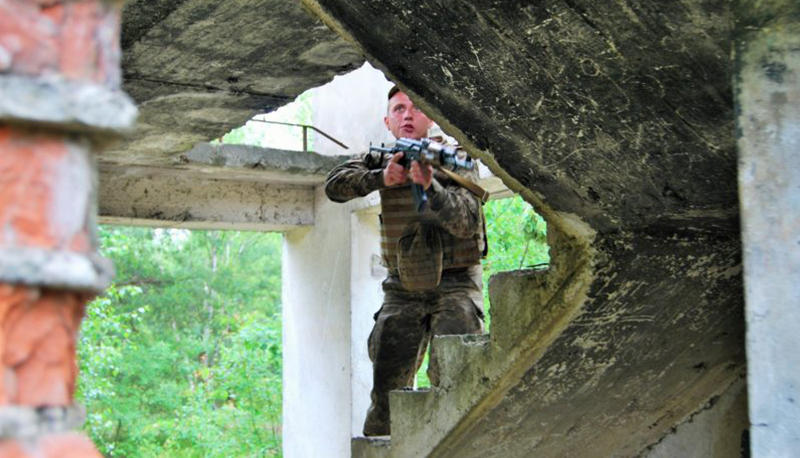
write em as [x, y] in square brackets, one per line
[183, 352]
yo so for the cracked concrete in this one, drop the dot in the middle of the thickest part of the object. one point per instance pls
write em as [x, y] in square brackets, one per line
[614, 120]
[198, 69]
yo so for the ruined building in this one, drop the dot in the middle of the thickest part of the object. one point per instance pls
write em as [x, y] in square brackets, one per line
[659, 140]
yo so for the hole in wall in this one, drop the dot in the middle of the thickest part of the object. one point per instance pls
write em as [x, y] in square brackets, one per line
[279, 129]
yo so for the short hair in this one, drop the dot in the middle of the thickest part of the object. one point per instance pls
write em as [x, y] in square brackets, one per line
[394, 90]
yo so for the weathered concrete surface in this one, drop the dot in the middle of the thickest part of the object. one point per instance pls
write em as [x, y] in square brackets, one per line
[768, 122]
[618, 112]
[66, 104]
[197, 69]
[193, 200]
[301, 168]
[719, 430]
[615, 119]
[315, 282]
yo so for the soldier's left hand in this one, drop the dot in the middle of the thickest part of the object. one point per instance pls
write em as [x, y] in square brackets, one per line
[421, 174]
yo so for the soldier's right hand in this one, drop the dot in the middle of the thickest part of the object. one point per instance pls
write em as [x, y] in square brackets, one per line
[394, 173]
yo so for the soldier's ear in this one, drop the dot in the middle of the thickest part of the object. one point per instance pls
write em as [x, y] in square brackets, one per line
[386, 122]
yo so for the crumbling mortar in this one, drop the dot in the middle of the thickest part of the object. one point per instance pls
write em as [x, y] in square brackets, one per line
[30, 423]
[39, 267]
[61, 104]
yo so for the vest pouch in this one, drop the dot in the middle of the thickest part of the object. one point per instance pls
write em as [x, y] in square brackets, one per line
[419, 257]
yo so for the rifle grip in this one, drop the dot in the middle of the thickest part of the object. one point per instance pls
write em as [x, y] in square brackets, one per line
[420, 197]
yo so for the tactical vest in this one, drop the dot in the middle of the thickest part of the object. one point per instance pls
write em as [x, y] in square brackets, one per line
[398, 212]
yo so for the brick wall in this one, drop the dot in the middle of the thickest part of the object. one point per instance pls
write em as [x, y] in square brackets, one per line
[59, 102]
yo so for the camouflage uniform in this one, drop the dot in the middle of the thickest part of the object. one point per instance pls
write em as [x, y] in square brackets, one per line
[407, 319]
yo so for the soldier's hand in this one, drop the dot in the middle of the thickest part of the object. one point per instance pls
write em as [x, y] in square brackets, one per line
[422, 174]
[394, 173]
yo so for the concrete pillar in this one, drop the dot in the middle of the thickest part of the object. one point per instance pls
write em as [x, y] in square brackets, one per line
[366, 276]
[316, 335]
[59, 100]
[767, 98]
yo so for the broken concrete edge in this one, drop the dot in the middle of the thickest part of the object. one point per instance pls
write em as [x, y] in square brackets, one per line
[259, 158]
[38, 267]
[736, 387]
[749, 16]
[456, 353]
[203, 225]
[28, 423]
[371, 447]
[573, 224]
[68, 105]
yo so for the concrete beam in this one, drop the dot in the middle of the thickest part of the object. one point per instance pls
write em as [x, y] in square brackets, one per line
[266, 164]
[192, 200]
[195, 82]
[768, 102]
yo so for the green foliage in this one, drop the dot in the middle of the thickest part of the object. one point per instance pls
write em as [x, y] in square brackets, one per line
[258, 133]
[181, 357]
[517, 238]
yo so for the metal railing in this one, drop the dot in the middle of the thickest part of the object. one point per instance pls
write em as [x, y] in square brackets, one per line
[305, 132]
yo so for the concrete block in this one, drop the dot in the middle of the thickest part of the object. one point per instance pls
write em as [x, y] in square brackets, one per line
[516, 297]
[264, 164]
[408, 410]
[456, 353]
[178, 198]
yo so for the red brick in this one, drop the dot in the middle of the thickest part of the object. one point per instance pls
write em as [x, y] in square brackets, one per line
[67, 445]
[79, 39]
[13, 449]
[38, 334]
[31, 167]
[28, 36]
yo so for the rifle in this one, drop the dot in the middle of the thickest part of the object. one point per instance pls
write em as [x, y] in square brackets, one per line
[437, 154]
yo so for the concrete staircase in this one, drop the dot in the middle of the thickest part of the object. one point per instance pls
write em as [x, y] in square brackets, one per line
[582, 359]
[479, 370]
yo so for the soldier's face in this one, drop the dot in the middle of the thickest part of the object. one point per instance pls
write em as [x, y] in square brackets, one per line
[403, 119]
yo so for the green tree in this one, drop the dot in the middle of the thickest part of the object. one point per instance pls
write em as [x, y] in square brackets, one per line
[258, 133]
[181, 357]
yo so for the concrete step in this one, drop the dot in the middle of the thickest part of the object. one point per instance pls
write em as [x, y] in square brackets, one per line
[455, 353]
[408, 407]
[370, 447]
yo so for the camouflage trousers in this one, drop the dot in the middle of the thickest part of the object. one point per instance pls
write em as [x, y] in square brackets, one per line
[404, 326]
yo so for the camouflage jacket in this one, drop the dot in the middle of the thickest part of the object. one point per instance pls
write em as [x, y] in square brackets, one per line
[450, 206]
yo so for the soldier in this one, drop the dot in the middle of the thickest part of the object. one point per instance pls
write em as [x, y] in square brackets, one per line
[434, 284]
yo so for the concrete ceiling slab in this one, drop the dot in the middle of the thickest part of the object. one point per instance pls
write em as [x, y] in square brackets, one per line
[616, 120]
[198, 68]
